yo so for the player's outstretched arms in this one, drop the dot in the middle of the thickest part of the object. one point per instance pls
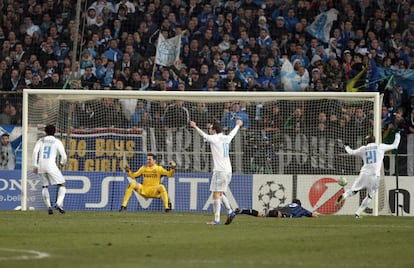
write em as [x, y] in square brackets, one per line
[127, 168]
[173, 165]
[193, 124]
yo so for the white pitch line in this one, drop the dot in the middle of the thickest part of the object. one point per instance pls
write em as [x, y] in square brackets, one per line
[24, 254]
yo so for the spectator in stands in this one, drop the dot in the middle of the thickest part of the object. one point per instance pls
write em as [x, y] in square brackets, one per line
[99, 5]
[264, 155]
[360, 123]
[138, 115]
[145, 82]
[228, 121]
[301, 56]
[193, 82]
[5, 118]
[15, 113]
[118, 116]
[127, 62]
[264, 40]
[53, 82]
[267, 81]
[334, 75]
[211, 85]
[7, 156]
[245, 74]
[231, 82]
[113, 53]
[134, 80]
[332, 51]
[36, 82]
[171, 83]
[13, 81]
[272, 121]
[202, 115]
[294, 122]
[176, 115]
[88, 78]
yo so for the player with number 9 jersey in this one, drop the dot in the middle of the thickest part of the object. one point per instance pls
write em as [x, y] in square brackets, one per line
[45, 152]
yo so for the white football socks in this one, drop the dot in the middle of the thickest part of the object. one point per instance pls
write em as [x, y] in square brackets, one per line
[226, 203]
[364, 205]
[216, 209]
[61, 196]
[46, 197]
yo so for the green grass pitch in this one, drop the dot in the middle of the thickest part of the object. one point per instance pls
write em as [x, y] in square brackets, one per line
[151, 239]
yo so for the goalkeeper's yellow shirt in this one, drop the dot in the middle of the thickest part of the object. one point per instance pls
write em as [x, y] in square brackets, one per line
[151, 174]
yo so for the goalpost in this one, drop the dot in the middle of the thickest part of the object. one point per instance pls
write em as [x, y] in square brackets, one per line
[291, 148]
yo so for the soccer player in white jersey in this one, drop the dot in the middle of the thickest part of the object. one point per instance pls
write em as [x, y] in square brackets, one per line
[222, 170]
[44, 163]
[369, 176]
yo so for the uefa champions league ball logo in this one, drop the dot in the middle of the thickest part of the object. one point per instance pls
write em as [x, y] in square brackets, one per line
[271, 195]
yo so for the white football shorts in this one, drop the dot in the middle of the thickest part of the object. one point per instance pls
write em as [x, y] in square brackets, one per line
[220, 181]
[369, 182]
[52, 177]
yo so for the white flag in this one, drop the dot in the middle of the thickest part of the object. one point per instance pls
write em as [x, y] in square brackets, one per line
[168, 50]
[291, 80]
[322, 25]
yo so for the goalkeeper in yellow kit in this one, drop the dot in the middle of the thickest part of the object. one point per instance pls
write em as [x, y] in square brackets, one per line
[151, 186]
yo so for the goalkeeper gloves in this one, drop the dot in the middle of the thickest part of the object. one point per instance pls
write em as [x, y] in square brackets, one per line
[127, 168]
[173, 165]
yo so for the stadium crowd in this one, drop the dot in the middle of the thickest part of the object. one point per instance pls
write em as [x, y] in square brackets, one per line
[226, 46]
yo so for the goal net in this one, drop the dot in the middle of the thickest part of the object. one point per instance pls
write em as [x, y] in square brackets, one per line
[290, 146]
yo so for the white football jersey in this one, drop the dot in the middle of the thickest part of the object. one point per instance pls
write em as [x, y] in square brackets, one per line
[45, 152]
[220, 149]
[372, 154]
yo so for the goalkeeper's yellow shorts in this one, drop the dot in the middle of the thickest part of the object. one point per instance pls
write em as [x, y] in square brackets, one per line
[151, 191]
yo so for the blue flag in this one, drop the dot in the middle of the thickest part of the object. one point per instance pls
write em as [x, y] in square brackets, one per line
[404, 78]
[322, 25]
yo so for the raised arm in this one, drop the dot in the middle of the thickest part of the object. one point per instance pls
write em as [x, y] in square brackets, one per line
[202, 133]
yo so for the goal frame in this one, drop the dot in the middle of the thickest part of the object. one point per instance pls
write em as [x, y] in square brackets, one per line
[207, 97]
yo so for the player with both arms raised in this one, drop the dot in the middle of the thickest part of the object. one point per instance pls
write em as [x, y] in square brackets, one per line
[369, 176]
[222, 170]
[151, 186]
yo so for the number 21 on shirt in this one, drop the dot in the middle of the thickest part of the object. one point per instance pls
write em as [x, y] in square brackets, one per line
[371, 156]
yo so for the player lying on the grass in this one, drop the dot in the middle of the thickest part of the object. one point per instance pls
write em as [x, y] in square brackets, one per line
[292, 210]
[369, 176]
[151, 186]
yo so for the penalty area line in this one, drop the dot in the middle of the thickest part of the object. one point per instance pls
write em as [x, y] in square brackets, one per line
[23, 254]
